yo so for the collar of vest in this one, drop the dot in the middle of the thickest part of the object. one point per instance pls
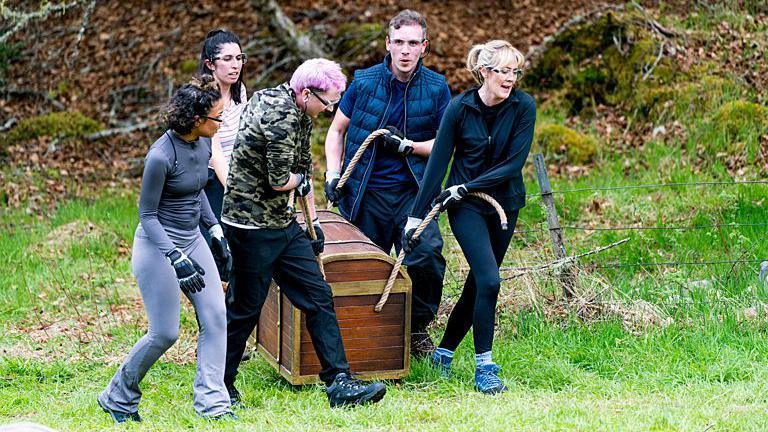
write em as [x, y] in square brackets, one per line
[468, 98]
[389, 76]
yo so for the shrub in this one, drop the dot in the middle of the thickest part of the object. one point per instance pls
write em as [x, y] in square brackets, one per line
[741, 117]
[567, 144]
[63, 124]
[189, 67]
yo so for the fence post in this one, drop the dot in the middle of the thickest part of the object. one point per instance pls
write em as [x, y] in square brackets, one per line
[567, 276]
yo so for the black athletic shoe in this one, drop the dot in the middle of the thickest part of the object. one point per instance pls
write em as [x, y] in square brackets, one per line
[225, 416]
[119, 416]
[234, 396]
[346, 390]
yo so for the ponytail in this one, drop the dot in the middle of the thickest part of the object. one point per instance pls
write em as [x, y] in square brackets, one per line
[492, 54]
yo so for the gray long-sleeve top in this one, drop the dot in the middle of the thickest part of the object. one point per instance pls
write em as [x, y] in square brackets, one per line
[171, 188]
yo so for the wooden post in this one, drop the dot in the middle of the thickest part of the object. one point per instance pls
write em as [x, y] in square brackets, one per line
[567, 276]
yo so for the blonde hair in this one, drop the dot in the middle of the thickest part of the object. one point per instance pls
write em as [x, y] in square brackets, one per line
[492, 54]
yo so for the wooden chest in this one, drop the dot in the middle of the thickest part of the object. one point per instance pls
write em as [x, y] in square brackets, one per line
[377, 344]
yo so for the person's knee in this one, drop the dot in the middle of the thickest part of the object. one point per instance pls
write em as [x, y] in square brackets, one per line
[489, 285]
[213, 320]
[165, 338]
[322, 300]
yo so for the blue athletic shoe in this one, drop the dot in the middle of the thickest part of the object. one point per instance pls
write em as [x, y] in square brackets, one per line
[442, 363]
[487, 379]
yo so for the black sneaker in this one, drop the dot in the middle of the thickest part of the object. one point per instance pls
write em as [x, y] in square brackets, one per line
[119, 416]
[346, 390]
[225, 416]
[234, 396]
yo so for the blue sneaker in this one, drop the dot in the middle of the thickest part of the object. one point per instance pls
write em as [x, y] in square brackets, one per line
[487, 379]
[442, 363]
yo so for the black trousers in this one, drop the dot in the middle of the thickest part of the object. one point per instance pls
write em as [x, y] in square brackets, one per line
[382, 218]
[484, 243]
[285, 255]
[214, 190]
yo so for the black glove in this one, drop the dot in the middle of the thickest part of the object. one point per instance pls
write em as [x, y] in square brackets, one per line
[187, 270]
[305, 185]
[220, 250]
[395, 142]
[409, 242]
[317, 245]
[450, 196]
[332, 194]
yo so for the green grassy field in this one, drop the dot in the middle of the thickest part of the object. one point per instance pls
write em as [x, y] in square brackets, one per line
[70, 308]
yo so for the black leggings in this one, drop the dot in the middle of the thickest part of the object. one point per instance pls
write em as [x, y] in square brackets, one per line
[484, 244]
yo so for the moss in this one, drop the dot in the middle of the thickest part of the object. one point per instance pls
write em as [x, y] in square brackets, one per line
[739, 117]
[8, 54]
[61, 89]
[64, 124]
[188, 66]
[570, 49]
[566, 144]
[679, 100]
[603, 62]
[354, 39]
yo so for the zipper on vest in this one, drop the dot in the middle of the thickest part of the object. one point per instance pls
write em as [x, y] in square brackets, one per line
[353, 213]
[405, 126]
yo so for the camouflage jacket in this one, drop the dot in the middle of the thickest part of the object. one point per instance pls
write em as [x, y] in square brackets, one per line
[272, 142]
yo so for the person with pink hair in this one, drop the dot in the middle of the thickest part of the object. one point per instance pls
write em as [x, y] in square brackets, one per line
[271, 158]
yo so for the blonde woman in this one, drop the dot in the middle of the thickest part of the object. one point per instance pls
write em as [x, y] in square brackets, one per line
[488, 131]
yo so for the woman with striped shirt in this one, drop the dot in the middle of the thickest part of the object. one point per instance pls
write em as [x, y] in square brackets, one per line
[222, 57]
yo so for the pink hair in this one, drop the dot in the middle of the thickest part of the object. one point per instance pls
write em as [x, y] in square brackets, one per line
[319, 74]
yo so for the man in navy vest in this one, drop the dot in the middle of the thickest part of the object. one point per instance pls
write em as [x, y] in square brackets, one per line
[408, 99]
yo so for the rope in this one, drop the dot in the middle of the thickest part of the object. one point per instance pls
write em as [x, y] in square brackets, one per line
[358, 154]
[310, 228]
[431, 215]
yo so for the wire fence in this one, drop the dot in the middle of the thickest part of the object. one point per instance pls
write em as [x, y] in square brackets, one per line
[641, 275]
[651, 186]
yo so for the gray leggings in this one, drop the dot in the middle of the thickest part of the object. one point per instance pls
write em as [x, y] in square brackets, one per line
[160, 292]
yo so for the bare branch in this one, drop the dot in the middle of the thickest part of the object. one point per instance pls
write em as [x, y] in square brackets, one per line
[535, 51]
[11, 122]
[22, 19]
[23, 92]
[298, 43]
[120, 131]
[81, 32]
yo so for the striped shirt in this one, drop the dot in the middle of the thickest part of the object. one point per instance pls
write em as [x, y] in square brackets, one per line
[227, 132]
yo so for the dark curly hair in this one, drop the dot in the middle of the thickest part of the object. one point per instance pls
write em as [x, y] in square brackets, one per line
[190, 102]
[211, 48]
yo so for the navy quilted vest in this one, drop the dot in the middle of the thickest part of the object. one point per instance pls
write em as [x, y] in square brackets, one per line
[423, 94]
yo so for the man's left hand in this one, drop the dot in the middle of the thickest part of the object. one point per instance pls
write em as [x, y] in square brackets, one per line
[317, 245]
[396, 142]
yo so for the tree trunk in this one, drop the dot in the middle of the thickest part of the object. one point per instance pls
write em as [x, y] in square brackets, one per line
[298, 43]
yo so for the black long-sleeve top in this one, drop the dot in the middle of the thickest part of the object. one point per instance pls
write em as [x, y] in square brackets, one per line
[484, 160]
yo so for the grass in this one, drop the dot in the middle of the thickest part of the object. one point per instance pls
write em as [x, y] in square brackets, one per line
[70, 309]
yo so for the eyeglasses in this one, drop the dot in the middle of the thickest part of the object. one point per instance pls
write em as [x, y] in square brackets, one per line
[506, 71]
[241, 58]
[323, 100]
[216, 119]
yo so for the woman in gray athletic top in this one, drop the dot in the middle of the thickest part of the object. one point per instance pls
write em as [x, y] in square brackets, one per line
[169, 255]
